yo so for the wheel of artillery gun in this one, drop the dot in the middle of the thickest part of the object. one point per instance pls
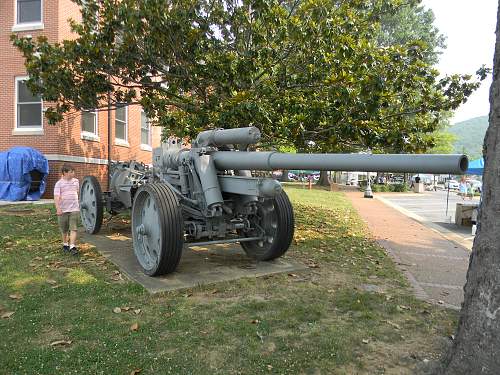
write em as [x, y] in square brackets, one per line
[157, 229]
[275, 217]
[91, 205]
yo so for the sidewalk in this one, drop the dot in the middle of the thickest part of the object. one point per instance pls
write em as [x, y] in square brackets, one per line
[435, 266]
[41, 201]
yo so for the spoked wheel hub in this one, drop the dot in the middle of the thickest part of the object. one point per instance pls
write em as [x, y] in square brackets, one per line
[274, 222]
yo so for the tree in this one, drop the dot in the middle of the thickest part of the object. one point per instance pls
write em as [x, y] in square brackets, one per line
[408, 23]
[475, 348]
[412, 22]
[442, 138]
[297, 69]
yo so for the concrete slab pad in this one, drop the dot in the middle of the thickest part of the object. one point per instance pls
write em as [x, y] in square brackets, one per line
[198, 265]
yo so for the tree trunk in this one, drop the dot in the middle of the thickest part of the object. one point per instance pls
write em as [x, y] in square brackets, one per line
[284, 176]
[476, 347]
[323, 179]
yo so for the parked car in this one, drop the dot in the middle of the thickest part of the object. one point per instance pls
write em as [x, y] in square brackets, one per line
[452, 185]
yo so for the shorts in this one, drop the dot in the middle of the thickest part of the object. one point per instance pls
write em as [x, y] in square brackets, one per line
[68, 221]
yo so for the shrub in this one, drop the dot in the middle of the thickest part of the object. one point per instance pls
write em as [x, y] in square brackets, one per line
[400, 187]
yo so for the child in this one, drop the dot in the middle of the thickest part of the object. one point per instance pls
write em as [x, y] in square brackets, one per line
[463, 188]
[67, 207]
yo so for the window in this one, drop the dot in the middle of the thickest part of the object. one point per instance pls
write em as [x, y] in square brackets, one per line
[29, 113]
[145, 130]
[89, 123]
[28, 11]
[121, 122]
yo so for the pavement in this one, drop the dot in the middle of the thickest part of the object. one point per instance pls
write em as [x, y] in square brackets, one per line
[199, 265]
[435, 209]
[41, 201]
[434, 257]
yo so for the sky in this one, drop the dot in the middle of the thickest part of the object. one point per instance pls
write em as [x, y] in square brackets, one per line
[469, 27]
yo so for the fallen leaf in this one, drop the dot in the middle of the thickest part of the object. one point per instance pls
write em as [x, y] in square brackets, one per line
[402, 307]
[134, 327]
[51, 281]
[117, 310]
[7, 314]
[15, 296]
[60, 342]
[392, 324]
[261, 337]
[137, 311]
[136, 371]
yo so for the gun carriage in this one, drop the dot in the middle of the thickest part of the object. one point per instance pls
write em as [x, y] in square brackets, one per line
[207, 195]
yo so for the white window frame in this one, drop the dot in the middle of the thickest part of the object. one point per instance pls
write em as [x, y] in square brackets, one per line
[26, 26]
[146, 147]
[120, 141]
[89, 136]
[17, 128]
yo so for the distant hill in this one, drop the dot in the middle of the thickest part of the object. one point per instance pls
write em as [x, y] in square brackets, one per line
[470, 136]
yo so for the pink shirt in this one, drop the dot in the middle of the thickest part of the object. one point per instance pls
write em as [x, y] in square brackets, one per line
[67, 190]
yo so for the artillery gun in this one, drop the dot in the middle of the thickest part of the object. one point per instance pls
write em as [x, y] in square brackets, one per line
[206, 194]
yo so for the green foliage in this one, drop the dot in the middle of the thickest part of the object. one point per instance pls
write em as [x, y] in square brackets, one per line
[470, 136]
[401, 187]
[410, 22]
[442, 138]
[443, 141]
[300, 71]
[397, 188]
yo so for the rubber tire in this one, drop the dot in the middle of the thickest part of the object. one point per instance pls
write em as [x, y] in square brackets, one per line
[284, 232]
[99, 203]
[172, 224]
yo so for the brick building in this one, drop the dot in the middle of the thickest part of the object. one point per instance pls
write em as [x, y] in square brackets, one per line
[82, 138]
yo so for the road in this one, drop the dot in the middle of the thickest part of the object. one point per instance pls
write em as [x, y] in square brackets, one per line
[433, 208]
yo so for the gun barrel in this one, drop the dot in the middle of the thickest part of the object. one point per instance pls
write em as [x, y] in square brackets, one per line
[220, 137]
[395, 163]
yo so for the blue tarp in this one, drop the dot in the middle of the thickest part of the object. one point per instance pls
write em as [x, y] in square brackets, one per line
[17, 166]
[476, 167]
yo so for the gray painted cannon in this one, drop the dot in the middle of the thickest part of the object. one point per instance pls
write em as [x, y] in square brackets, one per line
[207, 195]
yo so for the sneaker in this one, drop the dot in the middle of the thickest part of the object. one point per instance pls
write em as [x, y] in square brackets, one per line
[74, 251]
[65, 248]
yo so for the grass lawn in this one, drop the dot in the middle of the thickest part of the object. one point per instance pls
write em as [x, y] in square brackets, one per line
[351, 312]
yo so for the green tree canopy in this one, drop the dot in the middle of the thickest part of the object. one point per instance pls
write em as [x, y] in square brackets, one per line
[410, 22]
[299, 70]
